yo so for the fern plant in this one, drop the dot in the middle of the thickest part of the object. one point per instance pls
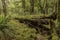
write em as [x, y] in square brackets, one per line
[4, 27]
[3, 21]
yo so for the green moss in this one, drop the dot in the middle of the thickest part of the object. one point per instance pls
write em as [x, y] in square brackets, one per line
[22, 31]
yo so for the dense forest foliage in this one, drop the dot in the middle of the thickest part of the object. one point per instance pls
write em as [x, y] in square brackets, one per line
[29, 19]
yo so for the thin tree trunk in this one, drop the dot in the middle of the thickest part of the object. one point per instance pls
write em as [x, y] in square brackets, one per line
[4, 7]
[40, 7]
[46, 7]
[59, 11]
[58, 18]
[32, 7]
[23, 4]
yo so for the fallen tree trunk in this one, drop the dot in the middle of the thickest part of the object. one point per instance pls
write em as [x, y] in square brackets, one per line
[37, 24]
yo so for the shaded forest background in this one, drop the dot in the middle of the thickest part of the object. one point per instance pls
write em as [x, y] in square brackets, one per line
[29, 19]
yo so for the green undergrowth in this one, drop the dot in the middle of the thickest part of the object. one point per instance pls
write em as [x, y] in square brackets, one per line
[22, 31]
[30, 31]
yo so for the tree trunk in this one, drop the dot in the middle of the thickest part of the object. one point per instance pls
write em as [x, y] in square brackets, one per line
[59, 11]
[46, 7]
[58, 31]
[41, 8]
[32, 7]
[23, 4]
[4, 7]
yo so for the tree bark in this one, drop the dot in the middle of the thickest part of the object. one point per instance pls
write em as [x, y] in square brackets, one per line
[23, 4]
[46, 7]
[59, 11]
[4, 7]
[41, 8]
[32, 7]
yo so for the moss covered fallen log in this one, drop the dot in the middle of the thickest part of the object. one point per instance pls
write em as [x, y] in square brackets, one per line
[37, 24]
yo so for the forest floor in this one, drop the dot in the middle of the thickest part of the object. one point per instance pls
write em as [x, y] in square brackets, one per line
[30, 23]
